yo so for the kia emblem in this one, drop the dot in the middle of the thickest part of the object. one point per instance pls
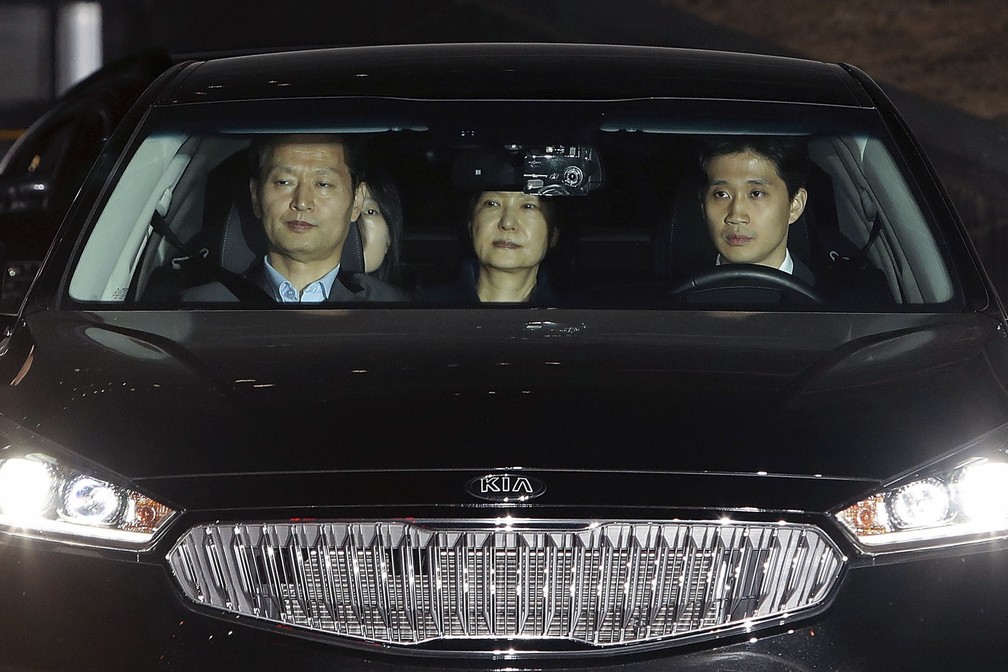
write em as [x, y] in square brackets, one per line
[506, 487]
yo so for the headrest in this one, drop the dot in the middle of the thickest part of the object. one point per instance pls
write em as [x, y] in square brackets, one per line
[681, 244]
[243, 239]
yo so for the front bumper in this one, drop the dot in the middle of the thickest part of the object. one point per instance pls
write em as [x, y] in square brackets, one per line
[67, 608]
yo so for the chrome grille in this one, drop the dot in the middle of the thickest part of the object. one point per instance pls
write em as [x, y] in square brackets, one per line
[401, 583]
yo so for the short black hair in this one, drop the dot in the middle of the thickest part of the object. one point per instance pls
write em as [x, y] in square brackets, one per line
[789, 154]
[352, 153]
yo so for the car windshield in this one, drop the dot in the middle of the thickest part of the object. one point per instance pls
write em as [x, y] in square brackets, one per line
[663, 204]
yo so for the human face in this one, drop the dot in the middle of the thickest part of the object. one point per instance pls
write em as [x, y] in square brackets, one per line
[748, 210]
[306, 202]
[509, 230]
[374, 232]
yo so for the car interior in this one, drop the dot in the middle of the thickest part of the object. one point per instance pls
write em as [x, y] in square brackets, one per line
[632, 233]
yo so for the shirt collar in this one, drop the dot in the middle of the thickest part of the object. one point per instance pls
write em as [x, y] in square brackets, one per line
[787, 266]
[283, 291]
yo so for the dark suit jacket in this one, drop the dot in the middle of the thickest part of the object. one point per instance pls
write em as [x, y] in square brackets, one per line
[347, 287]
[802, 272]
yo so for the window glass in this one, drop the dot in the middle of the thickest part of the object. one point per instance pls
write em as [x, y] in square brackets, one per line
[608, 205]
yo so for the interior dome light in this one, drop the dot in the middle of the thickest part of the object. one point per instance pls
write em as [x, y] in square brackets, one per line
[983, 491]
[26, 487]
[92, 501]
[920, 504]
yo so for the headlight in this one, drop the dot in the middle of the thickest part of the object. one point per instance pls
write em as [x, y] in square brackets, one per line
[965, 503]
[42, 497]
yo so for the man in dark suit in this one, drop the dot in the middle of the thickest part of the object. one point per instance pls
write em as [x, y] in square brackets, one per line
[754, 191]
[306, 191]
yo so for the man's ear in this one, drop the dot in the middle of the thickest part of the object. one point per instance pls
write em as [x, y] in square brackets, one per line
[358, 202]
[797, 205]
[254, 193]
[362, 190]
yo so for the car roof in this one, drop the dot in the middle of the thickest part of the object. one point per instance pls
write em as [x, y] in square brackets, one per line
[519, 71]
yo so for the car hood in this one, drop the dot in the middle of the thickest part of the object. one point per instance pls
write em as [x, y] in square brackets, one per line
[369, 397]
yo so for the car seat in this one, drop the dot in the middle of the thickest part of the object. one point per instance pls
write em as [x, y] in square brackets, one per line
[232, 236]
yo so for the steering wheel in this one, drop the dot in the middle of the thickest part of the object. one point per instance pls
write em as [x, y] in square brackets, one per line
[746, 283]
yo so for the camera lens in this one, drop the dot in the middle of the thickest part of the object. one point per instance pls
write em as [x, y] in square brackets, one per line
[573, 176]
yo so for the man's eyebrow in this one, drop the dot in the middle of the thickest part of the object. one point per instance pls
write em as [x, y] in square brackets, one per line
[316, 171]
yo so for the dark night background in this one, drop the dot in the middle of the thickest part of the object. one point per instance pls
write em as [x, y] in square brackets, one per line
[944, 62]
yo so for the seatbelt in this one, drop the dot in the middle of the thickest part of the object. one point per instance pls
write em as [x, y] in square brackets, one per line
[860, 258]
[244, 290]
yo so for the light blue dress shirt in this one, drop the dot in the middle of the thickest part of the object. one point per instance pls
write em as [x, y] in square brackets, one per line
[284, 291]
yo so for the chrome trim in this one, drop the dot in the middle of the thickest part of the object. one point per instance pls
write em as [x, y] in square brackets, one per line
[583, 584]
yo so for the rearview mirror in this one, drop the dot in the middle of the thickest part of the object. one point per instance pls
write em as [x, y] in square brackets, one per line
[550, 170]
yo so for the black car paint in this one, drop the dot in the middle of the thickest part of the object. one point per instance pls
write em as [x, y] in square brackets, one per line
[851, 396]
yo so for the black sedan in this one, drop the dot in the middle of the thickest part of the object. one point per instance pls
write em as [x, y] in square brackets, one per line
[507, 357]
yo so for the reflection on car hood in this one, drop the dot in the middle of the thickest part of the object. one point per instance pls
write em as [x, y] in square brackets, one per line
[154, 394]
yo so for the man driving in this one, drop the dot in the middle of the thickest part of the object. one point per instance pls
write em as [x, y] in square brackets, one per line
[754, 191]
